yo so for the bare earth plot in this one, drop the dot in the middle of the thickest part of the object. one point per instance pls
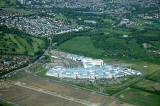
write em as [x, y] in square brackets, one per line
[35, 91]
[28, 97]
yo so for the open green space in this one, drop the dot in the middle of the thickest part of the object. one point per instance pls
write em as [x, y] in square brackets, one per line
[43, 74]
[146, 68]
[138, 97]
[19, 74]
[7, 2]
[5, 104]
[116, 31]
[60, 17]
[148, 85]
[156, 44]
[152, 33]
[108, 21]
[81, 45]
[2, 3]
[13, 44]
[154, 76]
[140, 20]
[140, 27]
[19, 11]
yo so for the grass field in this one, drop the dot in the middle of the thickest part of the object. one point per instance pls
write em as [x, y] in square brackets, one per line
[13, 44]
[110, 21]
[138, 97]
[81, 45]
[116, 31]
[147, 91]
[2, 2]
[155, 76]
[140, 27]
[5, 3]
[18, 75]
[4, 104]
[145, 67]
[156, 44]
[19, 11]
[139, 20]
[148, 85]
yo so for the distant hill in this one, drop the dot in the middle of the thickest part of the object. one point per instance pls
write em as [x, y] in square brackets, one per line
[14, 42]
[8, 2]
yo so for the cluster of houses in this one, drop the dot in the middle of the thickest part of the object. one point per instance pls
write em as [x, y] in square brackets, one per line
[38, 26]
[9, 62]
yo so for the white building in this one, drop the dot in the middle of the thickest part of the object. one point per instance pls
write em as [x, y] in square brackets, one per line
[22, 1]
[87, 63]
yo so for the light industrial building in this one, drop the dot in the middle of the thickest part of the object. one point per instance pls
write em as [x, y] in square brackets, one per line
[22, 1]
[90, 62]
[105, 71]
[92, 69]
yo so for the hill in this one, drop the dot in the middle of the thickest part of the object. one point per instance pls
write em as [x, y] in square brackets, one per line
[15, 42]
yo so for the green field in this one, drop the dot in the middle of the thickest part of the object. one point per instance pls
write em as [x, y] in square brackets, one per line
[140, 20]
[19, 11]
[116, 31]
[146, 68]
[81, 45]
[2, 3]
[13, 44]
[155, 76]
[156, 44]
[19, 74]
[5, 104]
[138, 97]
[7, 2]
[140, 27]
[109, 21]
[148, 85]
